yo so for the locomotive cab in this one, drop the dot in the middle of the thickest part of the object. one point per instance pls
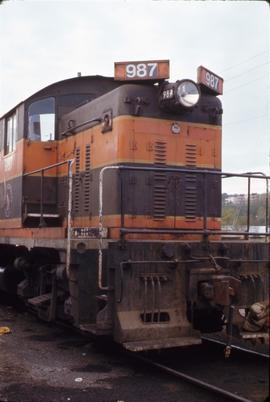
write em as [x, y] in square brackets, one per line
[29, 144]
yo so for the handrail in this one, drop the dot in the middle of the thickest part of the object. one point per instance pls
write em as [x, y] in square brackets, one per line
[69, 163]
[204, 232]
[266, 200]
[48, 167]
[249, 175]
[69, 211]
[100, 224]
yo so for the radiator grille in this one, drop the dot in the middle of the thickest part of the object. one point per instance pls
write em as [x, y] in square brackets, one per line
[191, 155]
[87, 178]
[160, 182]
[160, 152]
[190, 203]
[77, 180]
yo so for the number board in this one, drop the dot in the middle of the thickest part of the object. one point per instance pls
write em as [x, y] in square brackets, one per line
[141, 70]
[210, 80]
[88, 233]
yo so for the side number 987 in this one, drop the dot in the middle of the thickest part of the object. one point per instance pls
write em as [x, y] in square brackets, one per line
[212, 80]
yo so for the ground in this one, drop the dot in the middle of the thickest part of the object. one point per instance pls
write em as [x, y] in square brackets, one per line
[41, 362]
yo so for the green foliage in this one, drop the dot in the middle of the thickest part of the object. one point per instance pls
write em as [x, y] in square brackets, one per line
[234, 210]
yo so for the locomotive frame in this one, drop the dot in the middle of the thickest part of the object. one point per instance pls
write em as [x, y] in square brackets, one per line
[115, 226]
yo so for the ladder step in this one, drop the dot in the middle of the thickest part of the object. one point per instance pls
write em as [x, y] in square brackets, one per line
[93, 329]
[35, 301]
[102, 297]
[138, 346]
[36, 215]
[254, 335]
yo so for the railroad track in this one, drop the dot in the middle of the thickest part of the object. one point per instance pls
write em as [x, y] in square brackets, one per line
[200, 370]
[237, 347]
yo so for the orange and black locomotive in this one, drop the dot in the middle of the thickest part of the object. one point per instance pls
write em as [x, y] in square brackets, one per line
[110, 211]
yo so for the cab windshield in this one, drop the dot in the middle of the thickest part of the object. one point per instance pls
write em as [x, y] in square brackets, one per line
[41, 120]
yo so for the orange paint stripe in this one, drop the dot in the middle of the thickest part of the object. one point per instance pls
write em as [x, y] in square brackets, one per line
[132, 140]
[113, 222]
[141, 221]
[11, 228]
[34, 233]
[10, 223]
[11, 165]
[38, 155]
[27, 157]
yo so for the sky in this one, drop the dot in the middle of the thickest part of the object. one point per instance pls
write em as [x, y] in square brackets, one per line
[42, 42]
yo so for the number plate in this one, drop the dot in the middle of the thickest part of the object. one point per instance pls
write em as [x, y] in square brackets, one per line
[88, 233]
[210, 80]
[141, 70]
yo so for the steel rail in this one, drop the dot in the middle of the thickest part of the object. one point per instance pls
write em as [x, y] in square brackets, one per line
[193, 380]
[239, 348]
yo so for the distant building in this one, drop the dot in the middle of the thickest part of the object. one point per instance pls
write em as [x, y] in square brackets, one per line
[239, 199]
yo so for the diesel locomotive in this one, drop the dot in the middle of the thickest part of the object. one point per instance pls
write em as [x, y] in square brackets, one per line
[110, 211]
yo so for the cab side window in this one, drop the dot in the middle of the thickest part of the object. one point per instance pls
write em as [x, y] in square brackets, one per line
[11, 133]
[41, 120]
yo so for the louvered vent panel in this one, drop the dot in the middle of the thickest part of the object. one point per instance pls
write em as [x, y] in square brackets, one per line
[160, 182]
[160, 153]
[190, 203]
[87, 178]
[77, 180]
[191, 155]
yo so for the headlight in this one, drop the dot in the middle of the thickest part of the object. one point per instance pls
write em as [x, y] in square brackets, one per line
[187, 93]
[183, 93]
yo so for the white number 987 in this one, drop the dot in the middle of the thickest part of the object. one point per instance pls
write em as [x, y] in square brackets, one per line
[141, 70]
